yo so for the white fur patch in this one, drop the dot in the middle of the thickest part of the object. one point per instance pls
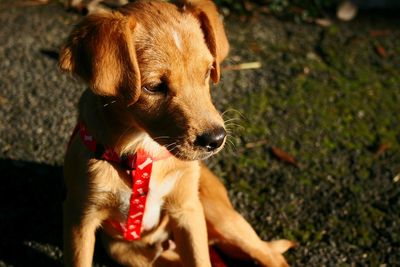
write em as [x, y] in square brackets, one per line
[157, 191]
[177, 39]
[145, 142]
[155, 199]
[124, 198]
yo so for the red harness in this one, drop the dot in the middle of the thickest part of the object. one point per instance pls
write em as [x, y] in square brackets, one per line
[140, 166]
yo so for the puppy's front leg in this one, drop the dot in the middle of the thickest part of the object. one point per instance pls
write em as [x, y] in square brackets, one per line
[79, 236]
[188, 224]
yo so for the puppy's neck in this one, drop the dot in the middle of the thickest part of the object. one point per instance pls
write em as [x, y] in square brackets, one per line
[112, 126]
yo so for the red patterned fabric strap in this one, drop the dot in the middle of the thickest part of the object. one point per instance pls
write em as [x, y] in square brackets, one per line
[140, 189]
[140, 165]
[91, 144]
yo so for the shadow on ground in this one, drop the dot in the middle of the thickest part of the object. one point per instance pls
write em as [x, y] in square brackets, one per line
[30, 214]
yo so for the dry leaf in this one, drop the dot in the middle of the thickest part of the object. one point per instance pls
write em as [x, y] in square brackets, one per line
[265, 10]
[283, 156]
[296, 10]
[243, 66]
[248, 5]
[3, 101]
[256, 144]
[381, 51]
[323, 22]
[255, 48]
[382, 148]
[378, 33]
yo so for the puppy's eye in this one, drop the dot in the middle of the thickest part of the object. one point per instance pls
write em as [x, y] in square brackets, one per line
[156, 89]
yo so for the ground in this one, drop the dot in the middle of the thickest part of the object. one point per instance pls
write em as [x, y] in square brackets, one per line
[325, 98]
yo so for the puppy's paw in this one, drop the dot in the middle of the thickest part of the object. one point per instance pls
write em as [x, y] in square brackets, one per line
[273, 253]
[281, 245]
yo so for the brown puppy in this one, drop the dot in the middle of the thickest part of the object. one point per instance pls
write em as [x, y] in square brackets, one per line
[148, 68]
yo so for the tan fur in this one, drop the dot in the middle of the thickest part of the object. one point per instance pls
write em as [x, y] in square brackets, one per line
[147, 92]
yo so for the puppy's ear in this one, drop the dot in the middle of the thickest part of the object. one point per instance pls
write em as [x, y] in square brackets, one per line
[101, 51]
[211, 24]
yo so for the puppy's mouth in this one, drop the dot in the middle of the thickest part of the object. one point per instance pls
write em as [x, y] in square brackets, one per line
[192, 153]
[202, 147]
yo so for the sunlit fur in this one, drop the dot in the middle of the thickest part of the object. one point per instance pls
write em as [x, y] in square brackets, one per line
[123, 57]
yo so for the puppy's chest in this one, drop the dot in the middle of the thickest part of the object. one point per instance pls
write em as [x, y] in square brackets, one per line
[158, 189]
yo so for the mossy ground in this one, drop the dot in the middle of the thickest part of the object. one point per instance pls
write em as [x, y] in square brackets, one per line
[327, 97]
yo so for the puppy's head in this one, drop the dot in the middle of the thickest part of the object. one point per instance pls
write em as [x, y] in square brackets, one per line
[156, 59]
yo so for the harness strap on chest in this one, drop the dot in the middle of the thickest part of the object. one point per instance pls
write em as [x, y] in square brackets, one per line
[140, 189]
[140, 166]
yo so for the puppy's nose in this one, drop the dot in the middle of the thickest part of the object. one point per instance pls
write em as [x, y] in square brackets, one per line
[212, 139]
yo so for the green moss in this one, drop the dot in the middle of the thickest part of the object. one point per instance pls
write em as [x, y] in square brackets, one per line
[330, 108]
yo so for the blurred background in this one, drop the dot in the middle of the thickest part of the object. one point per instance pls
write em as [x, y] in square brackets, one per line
[311, 94]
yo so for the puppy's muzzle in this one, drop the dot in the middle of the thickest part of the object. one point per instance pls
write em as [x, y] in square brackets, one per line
[211, 139]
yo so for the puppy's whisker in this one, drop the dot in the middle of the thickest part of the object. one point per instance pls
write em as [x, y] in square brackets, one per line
[179, 154]
[223, 113]
[229, 135]
[230, 147]
[173, 145]
[232, 128]
[229, 110]
[162, 137]
[234, 125]
[235, 111]
[232, 119]
[229, 139]
[233, 131]
[229, 130]
[231, 143]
